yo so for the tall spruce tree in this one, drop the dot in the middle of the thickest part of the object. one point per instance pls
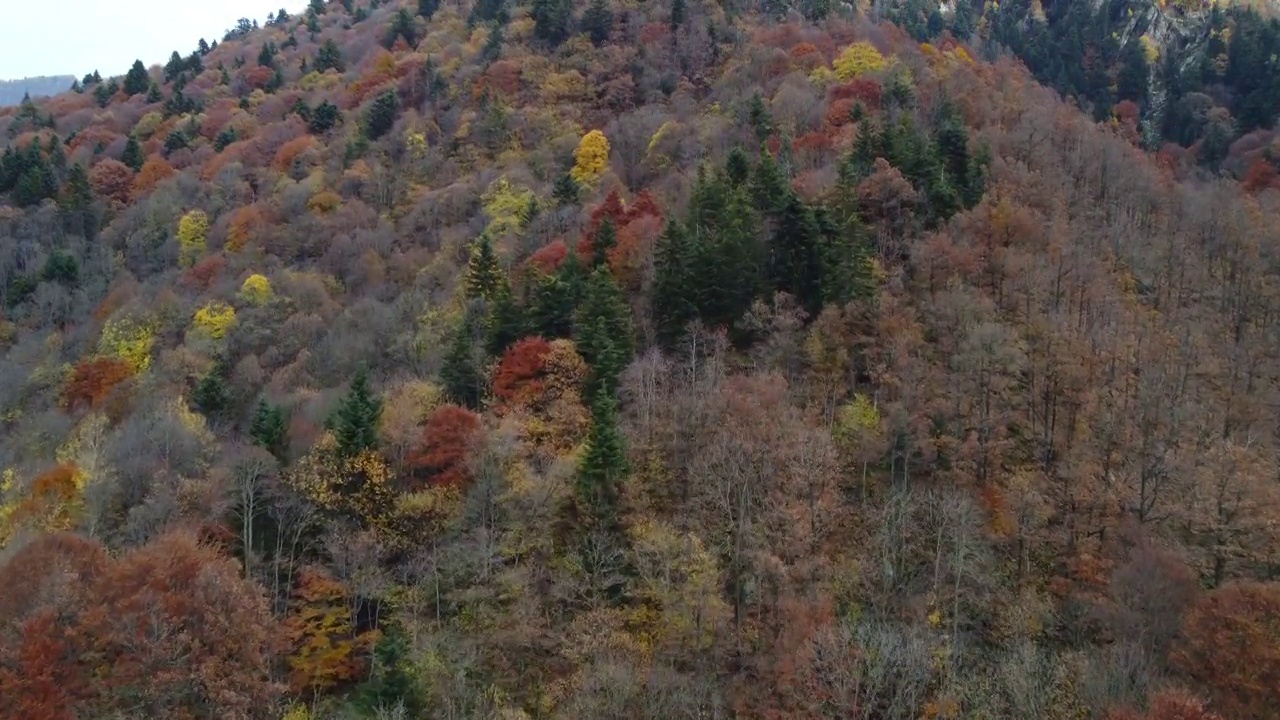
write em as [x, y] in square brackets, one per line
[674, 293]
[553, 300]
[428, 8]
[597, 21]
[381, 115]
[551, 20]
[483, 273]
[605, 240]
[211, 396]
[603, 333]
[355, 422]
[795, 255]
[506, 320]
[267, 428]
[136, 81]
[463, 371]
[604, 464]
[133, 156]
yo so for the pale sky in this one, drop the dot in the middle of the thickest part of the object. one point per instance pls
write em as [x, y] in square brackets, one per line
[75, 37]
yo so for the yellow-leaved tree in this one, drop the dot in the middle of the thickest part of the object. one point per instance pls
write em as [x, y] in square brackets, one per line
[193, 230]
[590, 158]
[215, 319]
[857, 59]
[256, 290]
[129, 339]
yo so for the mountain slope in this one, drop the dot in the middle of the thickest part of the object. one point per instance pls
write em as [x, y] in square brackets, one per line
[634, 360]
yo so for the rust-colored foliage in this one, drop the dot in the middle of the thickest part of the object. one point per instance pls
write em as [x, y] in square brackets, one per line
[145, 634]
[112, 180]
[548, 257]
[292, 150]
[154, 170]
[516, 381]
[257, 77]
[805, 56]
[868, 91]
[1174, 704]
[1231, 647]
[201, 275]
[447, 439]
[245, 222]
[502, 77]
[326, 650]
[1260, 176]
[93, 380]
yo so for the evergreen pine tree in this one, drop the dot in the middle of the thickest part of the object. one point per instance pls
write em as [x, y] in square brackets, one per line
[551, 20]
[674, 297]
[567, 191]
[483, 273]
[355, 422]
[402, 27]
[463, 373]
[506, 320]
[554, 300]
[597, 21]
[324, 118]
[329, 57]
[267, 55]
[136, 81]
[76, 204]
[174, 66]
[737, 167]
[761, 118]
[795, 255]
[153, 94]
[267, 428]
[381, 115]
[428, 8]
[769, 186]
[678, 12]
[606, 239]
[604, 464]
[211, 396]
[392, 682]
[602, 332]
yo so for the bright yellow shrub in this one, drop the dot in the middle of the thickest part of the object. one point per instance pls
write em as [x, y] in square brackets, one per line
[215, 319]
[591, 157]
[857, 59]
[193, 229]
[256, 290]
[130, 340]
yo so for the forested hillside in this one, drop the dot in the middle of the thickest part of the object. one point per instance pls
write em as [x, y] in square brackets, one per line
[13, 91]
[628, 360]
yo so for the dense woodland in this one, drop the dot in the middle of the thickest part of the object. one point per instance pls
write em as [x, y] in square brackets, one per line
[633, 360]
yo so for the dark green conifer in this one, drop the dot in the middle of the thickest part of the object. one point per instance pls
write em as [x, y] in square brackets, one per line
[355, 422]
[267, 428]
[604, 464]
[602, 332]
[136, 81]
[483, 272]
[605, 240]
[381, 115]
[597, 21]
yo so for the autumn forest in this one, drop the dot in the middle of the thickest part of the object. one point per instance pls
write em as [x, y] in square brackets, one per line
[706, 359]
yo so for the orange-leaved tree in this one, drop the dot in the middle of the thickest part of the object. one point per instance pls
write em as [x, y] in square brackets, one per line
[1231, 647]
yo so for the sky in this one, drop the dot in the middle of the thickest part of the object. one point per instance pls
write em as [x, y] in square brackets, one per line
[75, 37]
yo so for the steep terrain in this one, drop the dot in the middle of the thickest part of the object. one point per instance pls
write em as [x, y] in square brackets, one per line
[635, 360]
